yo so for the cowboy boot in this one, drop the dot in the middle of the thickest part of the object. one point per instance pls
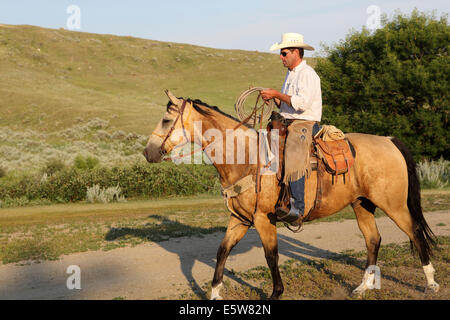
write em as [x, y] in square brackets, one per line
[291, 215]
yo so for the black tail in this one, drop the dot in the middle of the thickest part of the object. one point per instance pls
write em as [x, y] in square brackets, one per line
[422, 231]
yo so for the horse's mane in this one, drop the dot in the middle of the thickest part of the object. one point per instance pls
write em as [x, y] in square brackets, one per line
[207, 112]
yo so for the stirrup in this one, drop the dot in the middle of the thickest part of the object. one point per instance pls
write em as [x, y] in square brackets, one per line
[286, 216]
[288, 225]
[299, 229]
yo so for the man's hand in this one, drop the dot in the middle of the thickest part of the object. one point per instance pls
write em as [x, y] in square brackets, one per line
[269, 94]
[276, 95]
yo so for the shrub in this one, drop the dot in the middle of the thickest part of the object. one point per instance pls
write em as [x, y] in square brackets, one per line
[84, 163]
[53, 166]
[392, 82]
[434, 174]
[3, 172]
[16, 202]
[104, 195]
[138, 180]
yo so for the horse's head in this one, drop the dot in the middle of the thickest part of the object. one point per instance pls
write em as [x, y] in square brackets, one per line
[172, 130]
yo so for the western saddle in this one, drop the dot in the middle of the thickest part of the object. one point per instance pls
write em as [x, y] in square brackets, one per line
[331, 152]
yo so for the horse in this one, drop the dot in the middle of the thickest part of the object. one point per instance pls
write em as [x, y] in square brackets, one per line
[383, 175]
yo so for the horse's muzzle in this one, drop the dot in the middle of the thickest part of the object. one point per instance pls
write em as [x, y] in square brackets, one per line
[152, 155]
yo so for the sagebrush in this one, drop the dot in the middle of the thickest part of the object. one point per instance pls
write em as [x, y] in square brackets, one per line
[434, 174]
[104, 195]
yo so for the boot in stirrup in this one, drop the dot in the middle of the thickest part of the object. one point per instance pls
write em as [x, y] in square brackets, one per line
[289, 215]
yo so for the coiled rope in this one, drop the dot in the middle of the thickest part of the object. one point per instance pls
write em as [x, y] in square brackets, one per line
[250, 113]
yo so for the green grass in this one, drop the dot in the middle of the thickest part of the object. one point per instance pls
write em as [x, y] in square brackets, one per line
[64, 93]
[49, 231]
[52, 77]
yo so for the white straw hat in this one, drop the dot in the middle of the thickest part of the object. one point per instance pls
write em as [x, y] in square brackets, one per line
[291, 40]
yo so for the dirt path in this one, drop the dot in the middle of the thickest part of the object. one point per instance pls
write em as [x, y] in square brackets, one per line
[167, 269]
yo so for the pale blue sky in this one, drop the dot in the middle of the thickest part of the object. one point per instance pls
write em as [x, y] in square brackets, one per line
[226, 24]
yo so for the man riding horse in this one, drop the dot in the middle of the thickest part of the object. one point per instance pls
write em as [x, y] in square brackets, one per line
[384, 175]
[300, 103]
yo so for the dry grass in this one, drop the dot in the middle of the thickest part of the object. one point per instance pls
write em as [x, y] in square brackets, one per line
[47, 232]
[66, 93]
[31, 150]
[52, 77]
[402, 277]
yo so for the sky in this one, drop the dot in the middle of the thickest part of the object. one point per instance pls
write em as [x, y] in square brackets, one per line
[227, 24]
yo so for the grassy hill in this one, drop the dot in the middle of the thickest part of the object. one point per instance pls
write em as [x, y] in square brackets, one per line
[59, 88]
[50, 77]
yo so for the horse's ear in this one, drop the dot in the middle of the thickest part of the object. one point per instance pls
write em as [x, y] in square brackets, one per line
[172, 98]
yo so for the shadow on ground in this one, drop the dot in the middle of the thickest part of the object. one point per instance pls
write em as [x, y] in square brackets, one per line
[289, 247]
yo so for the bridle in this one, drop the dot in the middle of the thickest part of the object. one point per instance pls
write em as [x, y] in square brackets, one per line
[165, 138]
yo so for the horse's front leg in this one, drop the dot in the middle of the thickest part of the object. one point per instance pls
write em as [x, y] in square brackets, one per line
[265, 224]
[235, 232]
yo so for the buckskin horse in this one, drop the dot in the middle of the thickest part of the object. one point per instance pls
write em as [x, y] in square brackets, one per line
[383, 176]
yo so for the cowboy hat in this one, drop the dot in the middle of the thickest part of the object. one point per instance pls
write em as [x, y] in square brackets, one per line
[291, 40]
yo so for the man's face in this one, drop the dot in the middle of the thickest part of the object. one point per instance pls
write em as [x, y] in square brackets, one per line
[289, 58]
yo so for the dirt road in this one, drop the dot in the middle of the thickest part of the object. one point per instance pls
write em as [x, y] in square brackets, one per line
[169, 268]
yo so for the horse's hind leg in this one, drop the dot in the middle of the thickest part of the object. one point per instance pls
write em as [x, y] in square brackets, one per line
[406, 210]
[235, 232]
[364, 210]
[267, 231]
[403, 219]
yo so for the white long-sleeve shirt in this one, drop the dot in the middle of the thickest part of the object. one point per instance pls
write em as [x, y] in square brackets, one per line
[303, 85]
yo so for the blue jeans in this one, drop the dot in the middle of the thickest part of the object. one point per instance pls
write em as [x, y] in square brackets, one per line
[298, 193]
[315, 129]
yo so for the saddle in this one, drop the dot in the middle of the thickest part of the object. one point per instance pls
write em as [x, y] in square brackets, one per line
[336, 155]
[331, 153]
[329, 146]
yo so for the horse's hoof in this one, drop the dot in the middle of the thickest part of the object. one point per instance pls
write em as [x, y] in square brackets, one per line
[434, 287]
[215, 292]
[358, 292]
[275, 296]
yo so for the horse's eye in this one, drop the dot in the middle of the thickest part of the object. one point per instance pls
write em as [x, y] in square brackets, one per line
[166, 121]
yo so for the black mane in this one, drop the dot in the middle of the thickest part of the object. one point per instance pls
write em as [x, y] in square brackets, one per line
[197, 102]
